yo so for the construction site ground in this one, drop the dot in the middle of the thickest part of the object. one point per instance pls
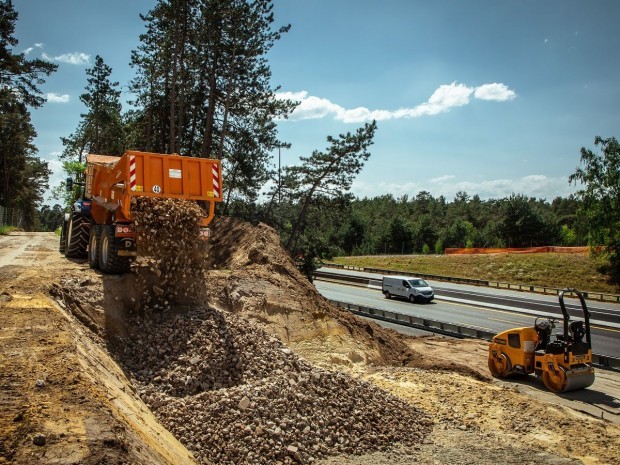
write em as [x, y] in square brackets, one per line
[66, 399]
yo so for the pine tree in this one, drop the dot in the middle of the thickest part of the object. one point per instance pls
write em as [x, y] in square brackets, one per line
[203, 87]
[19, 78]
[23, 177]
[101, 129]
[330, 173]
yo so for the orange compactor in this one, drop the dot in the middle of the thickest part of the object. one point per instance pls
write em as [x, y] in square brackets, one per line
[100, 225]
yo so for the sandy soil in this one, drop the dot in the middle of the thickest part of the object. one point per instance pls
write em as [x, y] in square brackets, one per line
[60, 386]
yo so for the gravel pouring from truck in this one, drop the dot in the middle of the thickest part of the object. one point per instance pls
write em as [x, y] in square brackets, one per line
[101, 226]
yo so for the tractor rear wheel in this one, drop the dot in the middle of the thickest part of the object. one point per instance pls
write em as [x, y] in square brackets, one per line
[109, 260]
[94, 246]
[77, 236]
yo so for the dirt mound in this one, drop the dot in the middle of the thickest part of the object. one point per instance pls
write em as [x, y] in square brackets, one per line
[260, 281]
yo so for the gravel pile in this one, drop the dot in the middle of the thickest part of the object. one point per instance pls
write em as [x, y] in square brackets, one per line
[229, 391]
[172, 257]
[232, 393]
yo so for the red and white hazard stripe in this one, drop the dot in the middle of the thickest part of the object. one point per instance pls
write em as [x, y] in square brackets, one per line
[215, 170]
[132, 172]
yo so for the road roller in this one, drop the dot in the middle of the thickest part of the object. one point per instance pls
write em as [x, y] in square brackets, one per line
[563, 363]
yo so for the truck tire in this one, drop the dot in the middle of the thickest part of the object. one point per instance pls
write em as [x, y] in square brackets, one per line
[94, 247]
[63, 238]
[77, 236]
[109, 260]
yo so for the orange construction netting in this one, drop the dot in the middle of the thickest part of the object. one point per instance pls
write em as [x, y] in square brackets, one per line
[545, 249]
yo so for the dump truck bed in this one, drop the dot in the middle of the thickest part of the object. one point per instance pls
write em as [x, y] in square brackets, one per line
[111, 182]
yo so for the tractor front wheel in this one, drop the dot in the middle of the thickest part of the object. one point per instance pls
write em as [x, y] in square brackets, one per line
[77, 236]
[63, 238]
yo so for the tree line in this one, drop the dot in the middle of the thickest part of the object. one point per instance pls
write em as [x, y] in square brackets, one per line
[23, 176]
[427, 225]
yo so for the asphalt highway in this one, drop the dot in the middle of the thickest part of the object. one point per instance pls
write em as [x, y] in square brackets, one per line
[489, 309]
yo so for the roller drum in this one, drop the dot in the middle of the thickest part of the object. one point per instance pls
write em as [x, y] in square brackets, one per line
[579, 380]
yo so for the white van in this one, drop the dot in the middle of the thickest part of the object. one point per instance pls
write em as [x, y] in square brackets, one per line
[414, 289]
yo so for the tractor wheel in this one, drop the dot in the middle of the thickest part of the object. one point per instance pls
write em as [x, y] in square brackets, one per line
[109, 260]
[94, 246]
[500, 367]
[77, 236]
[63, 238]
[555, 381]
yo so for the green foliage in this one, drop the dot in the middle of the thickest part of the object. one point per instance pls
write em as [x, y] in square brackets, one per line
[600, 195]
[327, 175]
[19, 78]
[203, 88]
[50, 219]
[569, 238]
[23, 176]
[388, 225]
[100, 129]
[74, 170]
[5, 230]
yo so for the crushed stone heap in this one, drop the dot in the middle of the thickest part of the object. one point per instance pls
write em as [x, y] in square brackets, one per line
[231, 393]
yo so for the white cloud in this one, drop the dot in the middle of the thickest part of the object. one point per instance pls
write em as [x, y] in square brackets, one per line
[56, 98]
[444, 178]
[30, 49]
[444, 98]
[77, 58]
[496, 92]
[535, 185]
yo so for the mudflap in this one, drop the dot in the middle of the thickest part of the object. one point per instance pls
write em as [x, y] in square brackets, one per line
[126, 246]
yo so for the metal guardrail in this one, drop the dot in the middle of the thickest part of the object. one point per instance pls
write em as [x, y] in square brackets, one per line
[480, 282]
[448, 329]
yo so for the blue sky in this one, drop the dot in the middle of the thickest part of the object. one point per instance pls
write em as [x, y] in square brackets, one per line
[480, 96]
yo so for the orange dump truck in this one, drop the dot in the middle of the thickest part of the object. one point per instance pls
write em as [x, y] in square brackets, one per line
[100, 225]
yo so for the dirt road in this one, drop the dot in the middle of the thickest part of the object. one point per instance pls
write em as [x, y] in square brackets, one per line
[64, 399]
